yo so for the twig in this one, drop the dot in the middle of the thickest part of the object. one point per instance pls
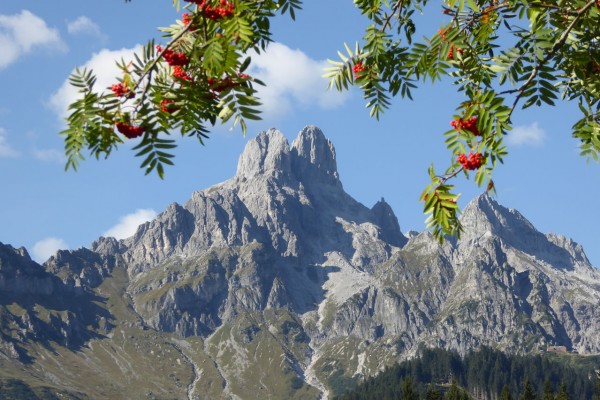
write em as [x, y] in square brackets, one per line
[153, 63]
[395, 8]
[559, 43]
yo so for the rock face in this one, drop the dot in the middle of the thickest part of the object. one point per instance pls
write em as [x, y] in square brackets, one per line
[277, 283]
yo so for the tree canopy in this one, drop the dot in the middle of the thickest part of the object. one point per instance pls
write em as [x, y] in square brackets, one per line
[502, 55]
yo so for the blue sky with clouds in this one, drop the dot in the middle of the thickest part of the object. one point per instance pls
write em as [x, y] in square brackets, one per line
[44, 208]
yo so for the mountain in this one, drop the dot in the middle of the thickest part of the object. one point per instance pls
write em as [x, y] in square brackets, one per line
[278, 284]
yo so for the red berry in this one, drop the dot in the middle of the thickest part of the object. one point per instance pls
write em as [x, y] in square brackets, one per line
[472, 162]
[442, 34]
[168, 106]
[179, 72]
[173, 58]
[121, 91]
[450, 55]
[357, 69]
[468, 125]
[129, 131]
[471, 125]
[225, 9]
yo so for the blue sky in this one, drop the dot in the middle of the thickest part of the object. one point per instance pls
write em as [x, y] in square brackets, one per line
[43, 208]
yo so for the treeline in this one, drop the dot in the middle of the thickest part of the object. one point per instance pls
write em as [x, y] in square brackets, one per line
[484, 374]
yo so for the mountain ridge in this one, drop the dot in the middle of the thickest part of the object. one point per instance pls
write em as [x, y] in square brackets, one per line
[278, 282]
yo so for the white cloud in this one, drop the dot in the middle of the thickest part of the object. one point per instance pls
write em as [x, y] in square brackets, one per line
[129, 223]
[292, 78]
[526, 135]
[84, 25]
[104, 66]
[6, 150]
[45, 248]
[49, 155]
[20, 33]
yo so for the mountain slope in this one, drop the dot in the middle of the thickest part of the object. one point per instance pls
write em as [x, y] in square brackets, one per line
[277, 283]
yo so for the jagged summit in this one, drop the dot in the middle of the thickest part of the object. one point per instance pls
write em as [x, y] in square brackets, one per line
[314, 157]
[484, 216]
[268, 153]
[384, 217]
[484, 219]
[278, 284]
[310, 159]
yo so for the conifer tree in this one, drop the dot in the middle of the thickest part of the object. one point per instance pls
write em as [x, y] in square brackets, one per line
[505, 395]
[528, 391]
[597, 389]
[433, 394]
[408, 392]
[563, 393]
[548, 393]
[456, 393]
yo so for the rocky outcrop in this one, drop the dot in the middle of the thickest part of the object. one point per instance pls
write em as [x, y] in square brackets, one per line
[38, 306]
[280, 266]
[20, 275]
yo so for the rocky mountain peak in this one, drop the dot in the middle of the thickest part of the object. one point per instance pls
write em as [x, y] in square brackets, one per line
[310, 159]
[314, 157]
[483, 216]
[390, 228]
[267, 154]
[280, 264]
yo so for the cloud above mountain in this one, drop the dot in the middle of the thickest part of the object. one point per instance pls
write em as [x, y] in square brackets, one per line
[43, 249]
[129, 223]
[293, 80]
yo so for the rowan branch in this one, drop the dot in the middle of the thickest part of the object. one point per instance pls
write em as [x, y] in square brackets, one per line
[557, 45]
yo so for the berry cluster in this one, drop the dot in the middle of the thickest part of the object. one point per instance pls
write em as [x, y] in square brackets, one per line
[168, 106]
[122, 91]
[176, 60]
[472, 161]
[187, 19]
[173, 58]
[225, 9]
[226, 83]
[222, 85]
[357, 69]
[468, 125]
[129, 131]
[450, 55]
[442, 34]
[179, 72]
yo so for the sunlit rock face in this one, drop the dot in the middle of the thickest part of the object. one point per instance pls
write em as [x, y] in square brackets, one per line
[277, 274]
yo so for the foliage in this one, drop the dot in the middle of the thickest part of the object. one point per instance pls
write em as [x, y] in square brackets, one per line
[540, 50]
[505, 395]
[408, 392]
[196, 79]
[485, 373]
[597, 391]
[528, 391]
[563, 393]
[548, 393]
[433, 394]
[456, 393]
[500, 54]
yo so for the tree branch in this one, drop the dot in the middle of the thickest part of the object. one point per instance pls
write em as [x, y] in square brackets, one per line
[557, 45]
